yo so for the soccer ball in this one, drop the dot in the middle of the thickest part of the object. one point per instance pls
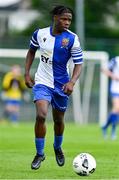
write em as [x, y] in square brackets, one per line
[84, 164]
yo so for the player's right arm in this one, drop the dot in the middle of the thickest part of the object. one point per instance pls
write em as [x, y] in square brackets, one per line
[30, 58]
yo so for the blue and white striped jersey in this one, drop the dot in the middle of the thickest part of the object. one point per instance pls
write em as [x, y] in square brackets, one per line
[114, 67]
[55, 53]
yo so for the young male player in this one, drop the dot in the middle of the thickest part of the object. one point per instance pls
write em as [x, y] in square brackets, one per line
[52, 84]
[113, 73]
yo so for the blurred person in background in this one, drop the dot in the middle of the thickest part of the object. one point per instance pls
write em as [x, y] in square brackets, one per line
[13, 88]
[113, 72]
[52, 84]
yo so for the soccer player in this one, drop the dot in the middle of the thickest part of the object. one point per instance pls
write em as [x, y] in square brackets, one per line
[13, 87]
[52, 83]
[113, 73]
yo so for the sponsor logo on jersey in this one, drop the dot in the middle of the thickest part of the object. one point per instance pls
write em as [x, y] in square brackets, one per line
[46, 59]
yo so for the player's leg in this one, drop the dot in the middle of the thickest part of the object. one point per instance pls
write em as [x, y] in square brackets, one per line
[59, 104]
[12, 109]
[41, 113]
[115, 111]
[112, 118]
[109, 121]
[40, 132]
[7, 112]
[14, 117]
[58, 117]
[42, 98]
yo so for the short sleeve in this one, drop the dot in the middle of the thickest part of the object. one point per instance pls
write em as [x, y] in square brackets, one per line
[33, 42]
[76, 51]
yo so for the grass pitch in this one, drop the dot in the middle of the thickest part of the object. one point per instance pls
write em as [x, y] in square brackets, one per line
[17, 151]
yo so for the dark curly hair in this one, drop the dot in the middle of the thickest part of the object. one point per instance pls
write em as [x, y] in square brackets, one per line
[58, 10]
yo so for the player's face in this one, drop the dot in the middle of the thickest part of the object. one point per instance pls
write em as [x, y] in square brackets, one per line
[63, 21]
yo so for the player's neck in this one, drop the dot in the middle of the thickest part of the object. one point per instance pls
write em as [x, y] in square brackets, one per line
[56, 31]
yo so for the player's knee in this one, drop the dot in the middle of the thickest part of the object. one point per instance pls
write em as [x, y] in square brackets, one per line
[41, 117]
[58, 121]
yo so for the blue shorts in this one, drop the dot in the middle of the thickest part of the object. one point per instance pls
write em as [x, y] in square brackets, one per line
[56, 97]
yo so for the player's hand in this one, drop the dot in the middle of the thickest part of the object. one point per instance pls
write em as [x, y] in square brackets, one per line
[68, 88]
[29, 81]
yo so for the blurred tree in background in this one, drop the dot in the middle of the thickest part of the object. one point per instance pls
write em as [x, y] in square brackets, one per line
[44, 7]
[101, 24]
[100, 16]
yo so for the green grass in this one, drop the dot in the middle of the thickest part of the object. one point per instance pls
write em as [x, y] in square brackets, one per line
[17, 151]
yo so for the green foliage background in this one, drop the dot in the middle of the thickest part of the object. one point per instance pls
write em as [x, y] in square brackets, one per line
[44, 7]
[94, 13]
[99, 35]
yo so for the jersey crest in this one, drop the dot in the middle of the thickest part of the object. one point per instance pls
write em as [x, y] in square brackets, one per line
[65, 42]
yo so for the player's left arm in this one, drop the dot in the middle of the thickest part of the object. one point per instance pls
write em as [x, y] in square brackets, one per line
[76, 73]
[68, 87]
[77, 56]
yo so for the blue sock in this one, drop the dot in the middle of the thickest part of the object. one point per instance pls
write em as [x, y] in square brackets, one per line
[58, 141]
[114, 124]
[113, 129]
[40, 142]
[110, 120]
